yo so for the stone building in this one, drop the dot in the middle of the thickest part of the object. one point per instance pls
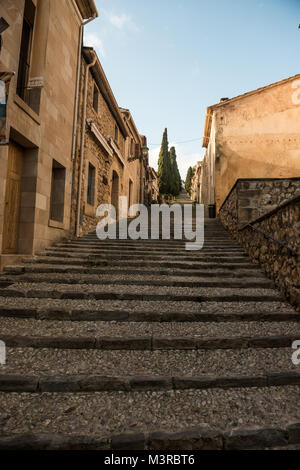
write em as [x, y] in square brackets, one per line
[154, 189]
[196, 194]
[151, 188]
[108, 159]
[255, 135]
[40, 58]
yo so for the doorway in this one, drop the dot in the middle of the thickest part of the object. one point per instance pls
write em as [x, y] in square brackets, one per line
[115, 192]
[12, 199]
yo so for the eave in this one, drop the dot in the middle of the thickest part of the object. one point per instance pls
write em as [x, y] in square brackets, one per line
[87, 9]
[105, 89]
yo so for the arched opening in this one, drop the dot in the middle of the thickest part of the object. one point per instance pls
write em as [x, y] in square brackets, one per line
[115, 192]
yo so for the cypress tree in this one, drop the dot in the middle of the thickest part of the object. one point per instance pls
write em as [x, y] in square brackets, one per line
[188, 181]
[175, 181]
[164, 167]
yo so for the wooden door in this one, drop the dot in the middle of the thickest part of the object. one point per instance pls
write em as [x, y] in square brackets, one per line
[12, 199]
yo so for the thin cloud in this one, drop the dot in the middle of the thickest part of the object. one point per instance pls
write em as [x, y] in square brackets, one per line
[123, 22]
[93, 40]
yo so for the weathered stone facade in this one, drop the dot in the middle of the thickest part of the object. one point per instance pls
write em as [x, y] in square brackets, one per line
[36, 164]
[273, 239]
[254, 135]
[196, 193]
[107, 139]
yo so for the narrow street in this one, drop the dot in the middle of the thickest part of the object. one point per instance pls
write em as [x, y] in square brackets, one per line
[108, 341]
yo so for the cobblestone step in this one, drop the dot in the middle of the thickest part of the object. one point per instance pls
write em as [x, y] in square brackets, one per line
[136, 293]
[257, 363]
[141, 251]
[233, 263]
[171, 420]
[142, 281]
[256, 330]
[88, 314]
[109, 337]
[147, 343]
[224, 271]
[183, 256]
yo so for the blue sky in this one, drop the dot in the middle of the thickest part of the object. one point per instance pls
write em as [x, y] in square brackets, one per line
[167, 60]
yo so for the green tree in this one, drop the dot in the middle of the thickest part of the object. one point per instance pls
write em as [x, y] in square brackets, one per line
[175, 179]
[164, 167]
[188, 181]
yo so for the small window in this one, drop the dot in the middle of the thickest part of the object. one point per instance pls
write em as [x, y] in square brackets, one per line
[131, 147]
[91, 185]
[57, 192]
[95, 98]
[116, 134]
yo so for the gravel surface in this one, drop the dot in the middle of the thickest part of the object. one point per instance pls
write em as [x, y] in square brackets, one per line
[28, 327]
[91, 278]
[147, 306]
[37, 268]
[116, 412]
[169, 363]
[125, 289]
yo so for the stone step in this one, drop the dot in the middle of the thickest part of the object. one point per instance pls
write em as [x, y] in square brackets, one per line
[280, 437]
[41, 309]
[67, 269]
[232, 419]
[137, 293]
[139, 250]
[147, 343]
[141, 280]
[232, 263]
[119, 255]
[258, 333]
[82, 370]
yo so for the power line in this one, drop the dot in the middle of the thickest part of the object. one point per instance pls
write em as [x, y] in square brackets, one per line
[175, 143]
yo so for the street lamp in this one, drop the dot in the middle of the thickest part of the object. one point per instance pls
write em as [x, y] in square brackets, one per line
[145, 152]
[3, 26]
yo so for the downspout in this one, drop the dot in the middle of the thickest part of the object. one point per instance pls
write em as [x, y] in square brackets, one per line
[75, 117]
[83, 127]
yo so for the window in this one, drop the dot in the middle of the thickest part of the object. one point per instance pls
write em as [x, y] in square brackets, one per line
[91, 185]
[116, 134]
[25, 50]
[131, 147]
[57, 192]
[95, 98]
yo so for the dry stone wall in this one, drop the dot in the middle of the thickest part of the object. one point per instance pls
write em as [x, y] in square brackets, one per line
[273, 239]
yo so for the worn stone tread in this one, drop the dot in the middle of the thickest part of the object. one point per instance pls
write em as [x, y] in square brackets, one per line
[225, 362]
[168, 420]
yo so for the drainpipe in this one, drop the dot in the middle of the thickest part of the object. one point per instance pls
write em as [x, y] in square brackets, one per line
[83, 126]
[75, 116]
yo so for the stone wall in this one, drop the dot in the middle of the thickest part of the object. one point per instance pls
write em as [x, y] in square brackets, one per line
[273, 239]
[251, 198]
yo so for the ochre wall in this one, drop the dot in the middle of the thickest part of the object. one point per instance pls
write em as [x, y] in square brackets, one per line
[258, 136]
[47, 135]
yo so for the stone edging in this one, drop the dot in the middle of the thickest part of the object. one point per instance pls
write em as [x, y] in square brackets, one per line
[191, 439]
[149, 343]
[97, 383]
[127, 316]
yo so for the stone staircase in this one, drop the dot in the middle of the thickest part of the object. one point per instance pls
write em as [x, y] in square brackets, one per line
[144, 345]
